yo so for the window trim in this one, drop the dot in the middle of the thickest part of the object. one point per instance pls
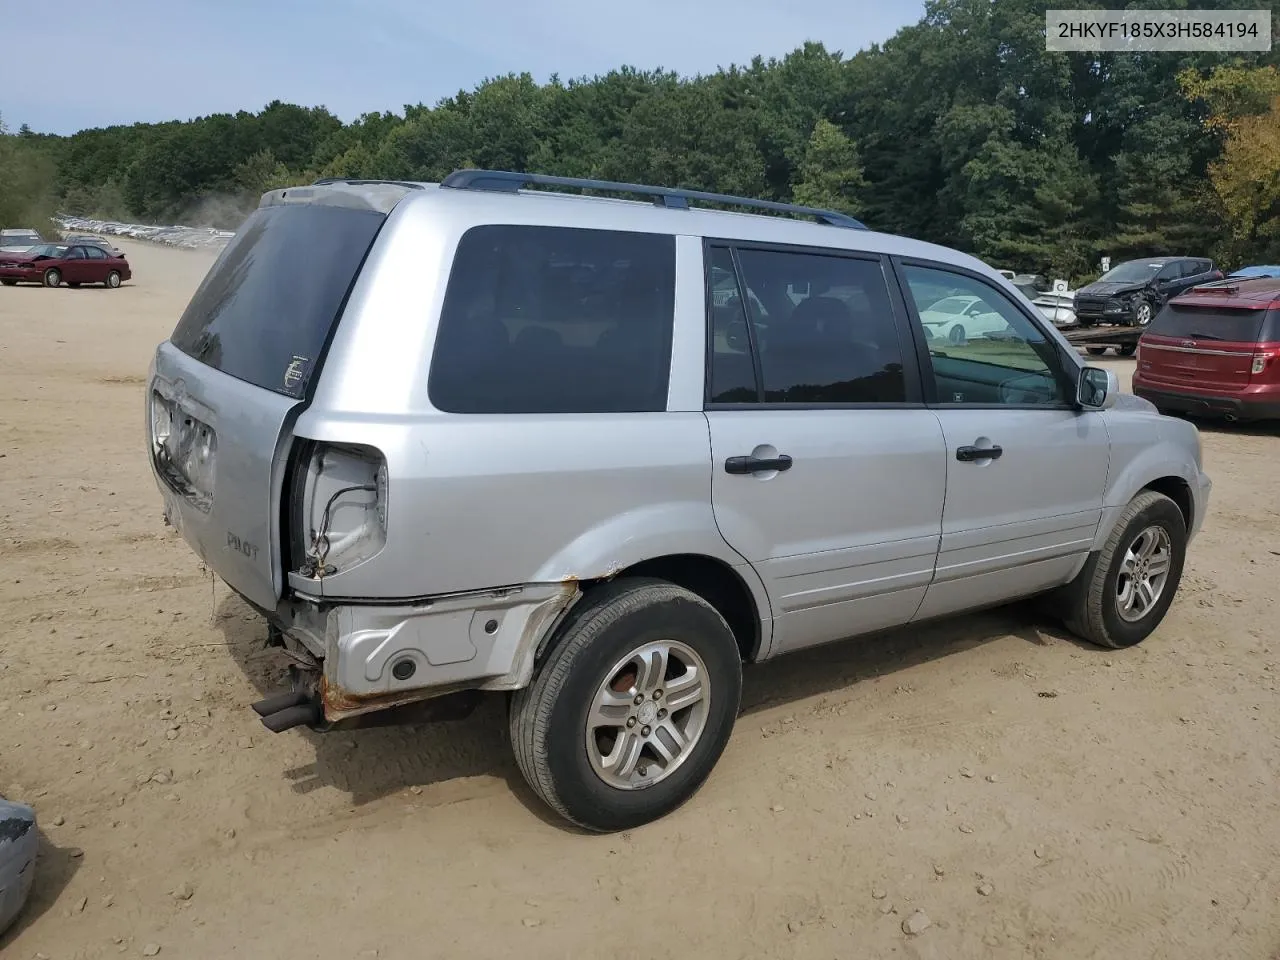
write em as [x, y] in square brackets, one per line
[1069, 366]
[911, 373]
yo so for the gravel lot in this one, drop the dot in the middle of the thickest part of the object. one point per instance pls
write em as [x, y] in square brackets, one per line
[1031, 796]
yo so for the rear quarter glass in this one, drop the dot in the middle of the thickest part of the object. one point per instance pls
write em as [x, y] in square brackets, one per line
[540, 319]
[265, 311]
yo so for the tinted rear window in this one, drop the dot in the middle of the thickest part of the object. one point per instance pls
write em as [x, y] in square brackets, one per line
[264, 311]
[555, 320]
[1209, 323]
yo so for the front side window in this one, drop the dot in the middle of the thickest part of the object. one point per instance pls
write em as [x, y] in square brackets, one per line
[556, 320]
[989, 353]
[822, 331]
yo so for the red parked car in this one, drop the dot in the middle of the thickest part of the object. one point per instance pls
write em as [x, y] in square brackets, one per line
[1215, 350]
[54, 264]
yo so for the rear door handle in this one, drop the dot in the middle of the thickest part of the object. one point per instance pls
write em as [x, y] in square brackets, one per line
[740, 465]
[969, 454]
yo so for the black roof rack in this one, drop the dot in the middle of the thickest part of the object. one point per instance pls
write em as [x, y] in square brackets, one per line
[507, 181]
[354, 182]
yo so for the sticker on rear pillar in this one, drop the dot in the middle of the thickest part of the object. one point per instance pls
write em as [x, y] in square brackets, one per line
[295, 375]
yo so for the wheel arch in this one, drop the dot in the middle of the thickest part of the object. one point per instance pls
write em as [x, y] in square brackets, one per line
[735, 592]
[722, 586]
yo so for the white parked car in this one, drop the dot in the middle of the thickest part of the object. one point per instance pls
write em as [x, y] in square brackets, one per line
[960, 318]
[18, 240]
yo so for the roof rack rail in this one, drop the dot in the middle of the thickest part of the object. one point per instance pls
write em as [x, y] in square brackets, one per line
[507, 181]
[357, 182]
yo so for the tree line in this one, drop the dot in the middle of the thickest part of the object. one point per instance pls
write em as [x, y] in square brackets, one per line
[961, 129]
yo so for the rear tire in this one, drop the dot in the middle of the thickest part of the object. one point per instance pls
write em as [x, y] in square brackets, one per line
[600, 663]
[1127, 350]
[113, 279]
[53, 277]
[1095, 351]
[73, 286]
[9, 283]
[1094, 604]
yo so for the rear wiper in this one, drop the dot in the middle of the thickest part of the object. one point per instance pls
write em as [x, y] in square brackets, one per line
[1203, 336]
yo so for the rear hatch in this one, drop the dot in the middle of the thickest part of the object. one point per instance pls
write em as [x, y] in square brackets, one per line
[1203, 344]
[227, 385]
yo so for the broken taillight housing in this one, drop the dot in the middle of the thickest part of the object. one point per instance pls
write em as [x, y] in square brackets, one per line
[339, 518]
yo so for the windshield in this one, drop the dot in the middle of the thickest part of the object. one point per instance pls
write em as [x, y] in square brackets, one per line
[950, 305]
[48, 250]
[19, 236]
[1135, 271]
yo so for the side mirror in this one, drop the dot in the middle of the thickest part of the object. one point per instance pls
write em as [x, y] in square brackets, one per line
[1097, 389]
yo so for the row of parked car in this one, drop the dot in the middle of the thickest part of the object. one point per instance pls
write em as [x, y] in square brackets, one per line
[25, 257]
[1129, 294]
[174, 235]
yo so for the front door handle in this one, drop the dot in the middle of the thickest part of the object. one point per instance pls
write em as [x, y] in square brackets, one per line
[740, 465]
[969, 454]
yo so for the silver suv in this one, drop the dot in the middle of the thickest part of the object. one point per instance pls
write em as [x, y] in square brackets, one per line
[599, 453]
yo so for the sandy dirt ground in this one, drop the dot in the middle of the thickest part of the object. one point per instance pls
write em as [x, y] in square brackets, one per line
[1032, 796]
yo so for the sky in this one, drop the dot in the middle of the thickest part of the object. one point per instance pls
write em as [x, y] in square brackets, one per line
[154, 60]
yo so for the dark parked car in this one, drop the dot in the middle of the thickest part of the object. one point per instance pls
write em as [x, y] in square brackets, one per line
[54, 264]
[1215, 351]
[1133, 292]
[86, 238]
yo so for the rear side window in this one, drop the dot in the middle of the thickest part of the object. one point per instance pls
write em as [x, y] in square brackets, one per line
[264, 311]
[555, 320]
[822, 330]
[1208, 323]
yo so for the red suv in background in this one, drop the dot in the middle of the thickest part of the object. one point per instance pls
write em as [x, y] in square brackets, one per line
[1215, 350]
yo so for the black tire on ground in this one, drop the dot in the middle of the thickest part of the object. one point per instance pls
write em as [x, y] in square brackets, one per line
[53, 277]
[73, 286]
[9, 283]
[1095, 351]
[548, 718]
[1090, 604]
[113, 279]
[1127, 349]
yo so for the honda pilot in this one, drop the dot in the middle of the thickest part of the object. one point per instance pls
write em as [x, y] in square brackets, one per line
[597, 454]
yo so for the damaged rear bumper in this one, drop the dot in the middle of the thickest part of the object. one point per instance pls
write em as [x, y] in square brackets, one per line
[359, 657]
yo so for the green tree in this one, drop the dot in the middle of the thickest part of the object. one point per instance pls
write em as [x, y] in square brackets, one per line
[830, 175]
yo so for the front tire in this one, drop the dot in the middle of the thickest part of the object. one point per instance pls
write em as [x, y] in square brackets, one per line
[596, 734]
[1125, 589]
[53, 277]
[1143, 312]
[957, 335]
[1095, 351]
[9, 283]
